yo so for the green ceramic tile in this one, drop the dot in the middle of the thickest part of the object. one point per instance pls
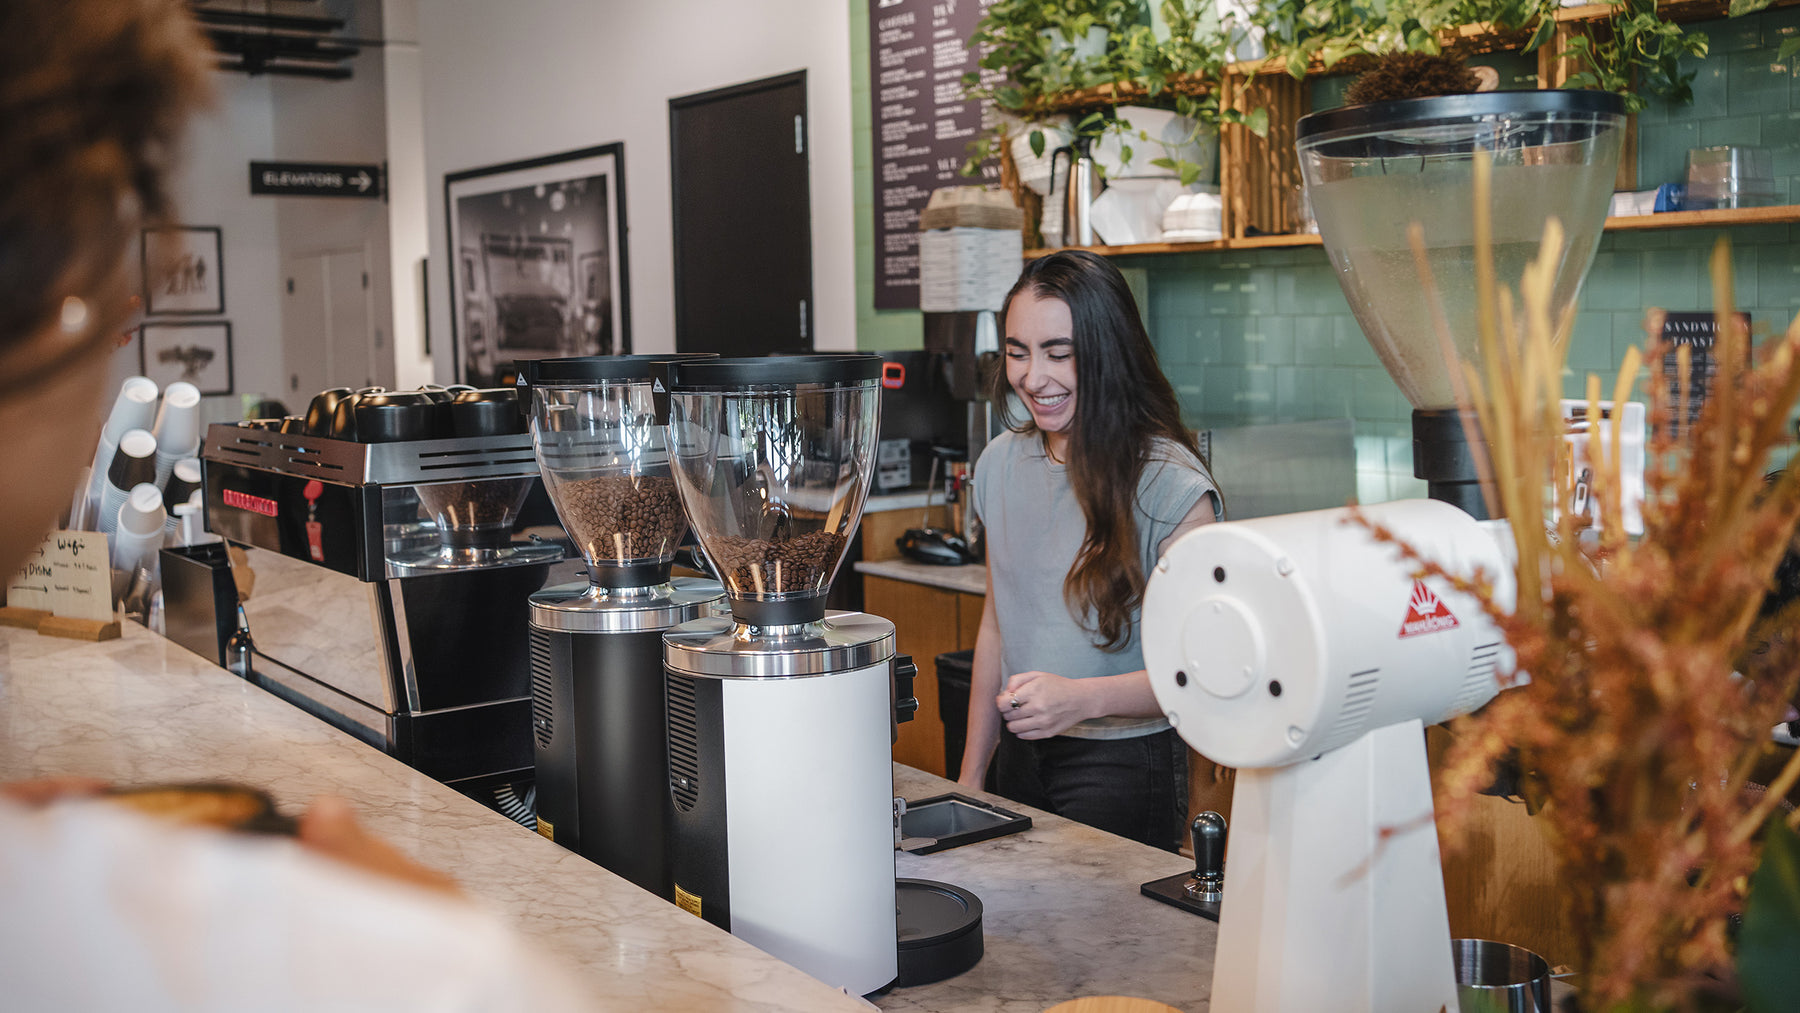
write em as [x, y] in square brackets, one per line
[1746, 130]
[1755, 235]
[1271, 339]
[1332, 391]
[1313, 340]
[1778, 279]
[1758, 83]
[1375, 396]
[1639, 239]
[1328, 92]
[1710, 84]
[1745, 289]
[1353, 349]
[1662, 151]
[1258, 288]
[1233, 349]
[1673, 278]
[1590, 347]
[1612, 283]
[1732, 35]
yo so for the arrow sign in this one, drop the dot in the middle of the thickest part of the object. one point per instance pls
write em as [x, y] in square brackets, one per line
[315, 179]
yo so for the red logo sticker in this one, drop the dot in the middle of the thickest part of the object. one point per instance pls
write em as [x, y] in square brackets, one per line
[254, 504]
[1425, 613]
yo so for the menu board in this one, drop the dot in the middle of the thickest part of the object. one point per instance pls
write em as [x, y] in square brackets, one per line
[918, 53]
[1699, 332]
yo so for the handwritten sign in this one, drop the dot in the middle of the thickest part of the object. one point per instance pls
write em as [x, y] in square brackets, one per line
[69, 576]
[30, 587]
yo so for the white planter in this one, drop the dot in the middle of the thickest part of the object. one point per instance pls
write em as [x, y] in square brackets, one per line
[1165, 136]
[1034, 169]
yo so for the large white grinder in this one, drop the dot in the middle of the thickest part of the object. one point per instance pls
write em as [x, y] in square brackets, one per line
[1307, 655]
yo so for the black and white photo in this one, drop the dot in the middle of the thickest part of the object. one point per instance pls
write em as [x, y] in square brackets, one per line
[183, 271]
[538, 261]
[198, 353]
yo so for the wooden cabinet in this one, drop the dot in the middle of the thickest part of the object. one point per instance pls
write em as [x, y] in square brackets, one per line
[928, 621]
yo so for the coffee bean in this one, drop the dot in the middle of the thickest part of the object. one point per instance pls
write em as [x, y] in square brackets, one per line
[756, 566]
[469, 505]
[620, 518]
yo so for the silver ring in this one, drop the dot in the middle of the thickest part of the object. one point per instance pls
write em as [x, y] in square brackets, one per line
[1015, 702]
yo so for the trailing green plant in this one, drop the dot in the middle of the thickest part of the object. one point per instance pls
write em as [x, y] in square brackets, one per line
[1297, 32]
[1636, 53]
[1032, 64]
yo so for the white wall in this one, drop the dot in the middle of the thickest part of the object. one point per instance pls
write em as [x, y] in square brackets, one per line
[213, 189]
[337, 121]
[515, 80]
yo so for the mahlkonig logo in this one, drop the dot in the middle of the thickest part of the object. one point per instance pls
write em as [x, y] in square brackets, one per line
[1425, 613]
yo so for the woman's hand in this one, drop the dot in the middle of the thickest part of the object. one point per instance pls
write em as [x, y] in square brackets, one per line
[1037, 705]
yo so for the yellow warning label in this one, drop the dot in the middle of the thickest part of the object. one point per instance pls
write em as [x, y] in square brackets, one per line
[687, 901]
[546, 828]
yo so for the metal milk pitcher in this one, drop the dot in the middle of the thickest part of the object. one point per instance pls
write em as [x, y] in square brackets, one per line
[1081, 186]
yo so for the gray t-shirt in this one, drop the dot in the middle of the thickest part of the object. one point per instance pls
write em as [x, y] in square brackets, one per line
[1034, 529]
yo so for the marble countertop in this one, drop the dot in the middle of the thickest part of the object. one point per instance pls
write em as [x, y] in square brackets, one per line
[969, 579]
[144, 710]
[1062, 914]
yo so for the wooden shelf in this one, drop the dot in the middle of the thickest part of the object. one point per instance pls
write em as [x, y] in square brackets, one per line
[1722, 218]
[1216, 246]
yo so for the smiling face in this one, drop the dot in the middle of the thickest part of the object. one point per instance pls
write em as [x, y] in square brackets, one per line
[1040, 364]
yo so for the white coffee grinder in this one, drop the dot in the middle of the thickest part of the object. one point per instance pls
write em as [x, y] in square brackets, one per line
[781, 716]
[1301, 651]
[599, 430]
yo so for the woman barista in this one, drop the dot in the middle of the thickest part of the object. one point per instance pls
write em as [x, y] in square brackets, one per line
[1078, 500]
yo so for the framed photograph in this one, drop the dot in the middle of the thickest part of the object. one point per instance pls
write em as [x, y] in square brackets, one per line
[537, 261]
[199, 353]
[184, 271]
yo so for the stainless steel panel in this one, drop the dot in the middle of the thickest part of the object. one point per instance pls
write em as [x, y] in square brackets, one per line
[321, 623]
[720, 648]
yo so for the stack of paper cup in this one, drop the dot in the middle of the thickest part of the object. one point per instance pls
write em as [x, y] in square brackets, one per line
[177, 429]
[184, 482]
[133, 463]
[133, 409]
[139, 534]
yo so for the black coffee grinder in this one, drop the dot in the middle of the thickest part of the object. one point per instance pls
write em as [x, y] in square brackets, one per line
[598, 426]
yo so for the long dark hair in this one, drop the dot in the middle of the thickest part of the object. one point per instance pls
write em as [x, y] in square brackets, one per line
[1122, 404]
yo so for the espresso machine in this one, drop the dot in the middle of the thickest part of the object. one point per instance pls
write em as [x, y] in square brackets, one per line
[598, 425]
[386, 594]
[781, 715]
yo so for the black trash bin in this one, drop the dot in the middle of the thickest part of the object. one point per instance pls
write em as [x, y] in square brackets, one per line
[953, 673]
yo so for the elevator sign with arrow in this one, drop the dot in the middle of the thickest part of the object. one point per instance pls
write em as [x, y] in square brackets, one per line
[315, 179]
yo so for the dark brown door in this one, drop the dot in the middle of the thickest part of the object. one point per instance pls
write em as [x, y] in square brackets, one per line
[743, 219]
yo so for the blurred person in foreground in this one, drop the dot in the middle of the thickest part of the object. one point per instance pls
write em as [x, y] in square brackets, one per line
[100, 907]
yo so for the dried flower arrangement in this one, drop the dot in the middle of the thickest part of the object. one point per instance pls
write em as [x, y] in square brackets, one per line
[1653, 682]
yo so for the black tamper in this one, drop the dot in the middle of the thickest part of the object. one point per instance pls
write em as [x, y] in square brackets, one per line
[1207, 884]
[1199, 891]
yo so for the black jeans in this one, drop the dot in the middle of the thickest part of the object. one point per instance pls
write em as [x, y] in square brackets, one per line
[1135, 788]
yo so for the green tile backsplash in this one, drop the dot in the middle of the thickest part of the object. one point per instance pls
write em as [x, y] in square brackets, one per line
[1266, 336]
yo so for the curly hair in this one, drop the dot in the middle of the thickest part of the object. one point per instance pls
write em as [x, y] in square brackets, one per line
[94, 97]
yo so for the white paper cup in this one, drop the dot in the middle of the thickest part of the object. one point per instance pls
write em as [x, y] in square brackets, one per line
[139, 527]
[138, 450]
[132, 409]
[177, 428]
